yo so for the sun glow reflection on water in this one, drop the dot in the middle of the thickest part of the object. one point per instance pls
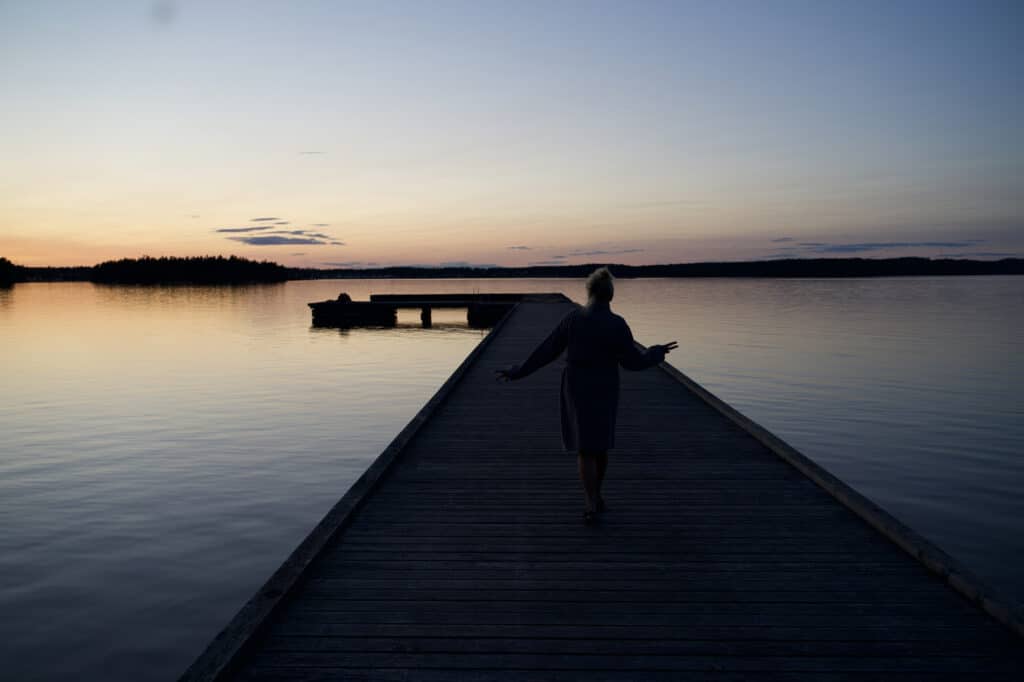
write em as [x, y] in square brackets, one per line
[163, 449]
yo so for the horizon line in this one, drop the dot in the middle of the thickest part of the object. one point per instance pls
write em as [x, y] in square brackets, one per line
[490, 266]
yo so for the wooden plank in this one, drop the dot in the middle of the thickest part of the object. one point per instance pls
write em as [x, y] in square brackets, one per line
[784, 646]
[425, 616]
[412, 546]
[590, 611]
[953, 638]
[263, 673]
[405, 531]
[681, 567]
[583, 559]
[646, 571]
[567, 591]
[646, 662]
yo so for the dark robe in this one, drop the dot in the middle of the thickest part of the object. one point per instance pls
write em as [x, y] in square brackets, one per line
[598, 341]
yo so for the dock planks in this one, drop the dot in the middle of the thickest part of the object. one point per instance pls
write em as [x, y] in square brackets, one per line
[462, 556]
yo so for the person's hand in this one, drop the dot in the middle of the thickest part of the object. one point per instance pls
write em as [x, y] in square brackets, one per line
[505, 374]
[665, 348]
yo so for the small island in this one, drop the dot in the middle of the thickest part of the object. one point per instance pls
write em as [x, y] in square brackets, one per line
[201, 270]
[9, 273]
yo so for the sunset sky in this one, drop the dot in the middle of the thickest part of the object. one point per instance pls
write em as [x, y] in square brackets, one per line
[327, 133]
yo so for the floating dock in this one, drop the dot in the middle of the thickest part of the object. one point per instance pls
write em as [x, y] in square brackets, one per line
[482, 310]
[724, 554]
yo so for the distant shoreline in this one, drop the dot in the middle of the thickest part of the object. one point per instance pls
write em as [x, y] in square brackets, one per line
[235, 270]
[807, 268]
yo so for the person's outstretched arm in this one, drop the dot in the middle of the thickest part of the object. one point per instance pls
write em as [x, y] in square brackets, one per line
[548, 351]
[630, 357]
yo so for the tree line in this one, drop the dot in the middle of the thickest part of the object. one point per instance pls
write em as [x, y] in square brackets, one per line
[197, 270]
[149, 270]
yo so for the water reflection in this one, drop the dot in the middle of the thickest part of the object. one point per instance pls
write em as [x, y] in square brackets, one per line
[164, 448]
[405, 329]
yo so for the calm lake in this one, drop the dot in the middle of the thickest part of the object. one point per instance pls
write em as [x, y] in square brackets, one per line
[162, 450]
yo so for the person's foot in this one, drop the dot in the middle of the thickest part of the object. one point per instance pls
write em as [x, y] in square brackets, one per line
[589, 517]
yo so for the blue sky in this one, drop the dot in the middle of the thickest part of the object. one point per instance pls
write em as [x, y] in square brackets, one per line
[423, 132]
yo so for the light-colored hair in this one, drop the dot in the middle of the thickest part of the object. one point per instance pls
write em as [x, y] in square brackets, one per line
[601, 285]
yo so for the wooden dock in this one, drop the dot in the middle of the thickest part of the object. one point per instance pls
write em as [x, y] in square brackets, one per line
[724, 555]
[482, 310]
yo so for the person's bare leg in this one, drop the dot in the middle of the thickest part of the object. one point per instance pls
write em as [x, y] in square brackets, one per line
[602, 469]
[588, 477]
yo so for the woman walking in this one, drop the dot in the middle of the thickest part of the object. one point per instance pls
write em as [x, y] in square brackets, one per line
[598, 341]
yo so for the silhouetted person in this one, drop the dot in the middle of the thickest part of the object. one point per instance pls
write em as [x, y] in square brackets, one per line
[598, 341]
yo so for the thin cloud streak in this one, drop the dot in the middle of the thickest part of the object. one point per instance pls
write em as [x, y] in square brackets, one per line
[599, 252]
[881, 246]
[275, 241]
[791, 249]
[980, 254]
[272, 235]
[466, 264]
[243, 229]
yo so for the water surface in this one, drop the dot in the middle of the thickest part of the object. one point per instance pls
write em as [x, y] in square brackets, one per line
[163, 449]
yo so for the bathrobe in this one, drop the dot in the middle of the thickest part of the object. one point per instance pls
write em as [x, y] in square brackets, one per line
[597, 342]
